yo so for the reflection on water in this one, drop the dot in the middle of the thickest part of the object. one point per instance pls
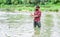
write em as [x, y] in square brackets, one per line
[17, 25]
[36, 32]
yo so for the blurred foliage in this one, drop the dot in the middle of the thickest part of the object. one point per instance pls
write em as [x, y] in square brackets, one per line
[11, 5]
[29, 1]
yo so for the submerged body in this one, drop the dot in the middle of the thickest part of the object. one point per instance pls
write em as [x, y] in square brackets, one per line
[37, 17]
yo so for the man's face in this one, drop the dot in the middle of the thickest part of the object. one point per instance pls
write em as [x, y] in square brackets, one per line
[37, 8]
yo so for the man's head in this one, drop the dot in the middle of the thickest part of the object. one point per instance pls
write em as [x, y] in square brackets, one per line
[37, 7]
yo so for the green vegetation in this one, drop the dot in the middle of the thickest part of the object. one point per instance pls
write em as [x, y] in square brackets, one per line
[20, 5]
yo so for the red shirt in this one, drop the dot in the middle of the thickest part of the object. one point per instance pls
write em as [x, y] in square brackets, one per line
[38, 13]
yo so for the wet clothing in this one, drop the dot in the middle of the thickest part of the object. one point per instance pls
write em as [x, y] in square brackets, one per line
[38, 13]
[37, 24]
[37, 19]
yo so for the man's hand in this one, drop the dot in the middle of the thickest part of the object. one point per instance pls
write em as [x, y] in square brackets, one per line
[35, 15]
[31, 14]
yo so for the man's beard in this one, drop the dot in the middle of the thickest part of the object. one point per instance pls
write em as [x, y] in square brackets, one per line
[36, 9]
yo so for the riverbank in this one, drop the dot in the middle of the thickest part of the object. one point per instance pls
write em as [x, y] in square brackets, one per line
[13, 8]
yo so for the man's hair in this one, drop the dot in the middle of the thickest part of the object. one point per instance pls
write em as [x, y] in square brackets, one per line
[37, 6]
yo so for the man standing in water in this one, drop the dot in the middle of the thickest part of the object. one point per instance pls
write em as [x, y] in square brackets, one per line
[37, 17]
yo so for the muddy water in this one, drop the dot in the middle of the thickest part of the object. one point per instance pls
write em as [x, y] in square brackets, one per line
[21, 25]
[16, 25]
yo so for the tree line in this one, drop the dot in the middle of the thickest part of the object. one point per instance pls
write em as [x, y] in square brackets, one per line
[28, 1]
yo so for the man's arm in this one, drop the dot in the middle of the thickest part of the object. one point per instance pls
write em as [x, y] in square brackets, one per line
[34, 15]
[38, 15]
